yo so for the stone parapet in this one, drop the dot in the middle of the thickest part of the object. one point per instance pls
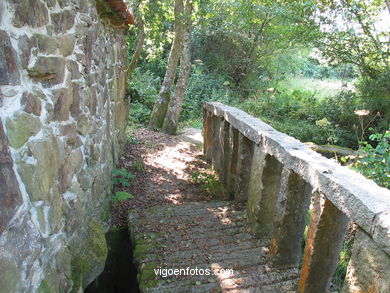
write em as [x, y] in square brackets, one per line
[278, 175]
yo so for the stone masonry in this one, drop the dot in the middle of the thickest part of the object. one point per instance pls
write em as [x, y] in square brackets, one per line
[63, 117]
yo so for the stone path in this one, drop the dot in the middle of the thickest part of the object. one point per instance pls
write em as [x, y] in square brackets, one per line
[202, 235]
[174, 226]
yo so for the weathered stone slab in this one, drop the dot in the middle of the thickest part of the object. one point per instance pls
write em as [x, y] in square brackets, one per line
[244, 164]
[62, 21]
[207, 133]
[49, 70]
[216, 144]
[21, 127]
[30, 12]
[263, 193]
[45, 44]
[40, 172]
[31, 103]
[9, 73]
[369, 267]
[290, 220]
[10, 196]
[324, 241]
[62, 102]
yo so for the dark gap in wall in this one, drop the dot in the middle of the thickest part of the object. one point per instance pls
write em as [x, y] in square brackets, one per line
[120, 274]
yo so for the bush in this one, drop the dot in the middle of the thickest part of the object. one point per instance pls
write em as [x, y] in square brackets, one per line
[143, 88]
[374, 162]
[203, 87]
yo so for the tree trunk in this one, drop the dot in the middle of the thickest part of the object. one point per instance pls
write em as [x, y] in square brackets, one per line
[140, 42]
[161, 105]
[172, 115]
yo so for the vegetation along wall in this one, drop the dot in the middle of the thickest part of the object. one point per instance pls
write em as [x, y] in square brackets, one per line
[63, 117]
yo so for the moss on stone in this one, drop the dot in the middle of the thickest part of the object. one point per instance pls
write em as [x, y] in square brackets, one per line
[80, 266]
[44, 288]
[147, 275]
[21, 127]
[91, 254]
[97, 241]
[144, 247]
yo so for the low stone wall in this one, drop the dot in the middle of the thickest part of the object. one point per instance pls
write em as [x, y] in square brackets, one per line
[278, 176]
[63, 118]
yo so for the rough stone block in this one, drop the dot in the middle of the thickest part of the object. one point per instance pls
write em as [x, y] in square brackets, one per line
[9, 73]
[70, 167]
[216, 150]
[207, 134]
[44, 43]
[49, 70]
[369, 267]
[63, 99]
[290, 220]
[244, 165]
[62, 21]
[24, 45]
[233, 161]
[10, 196]
[21, 127]
[50, 3]
[30, 12]
[66, 44]
[324, 241]
[31, 103]
[226, 154]
[40, 175]
[263, 193]
[9, 273]
[83, 125]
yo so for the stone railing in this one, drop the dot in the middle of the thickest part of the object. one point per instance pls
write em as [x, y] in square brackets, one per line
[280, 178]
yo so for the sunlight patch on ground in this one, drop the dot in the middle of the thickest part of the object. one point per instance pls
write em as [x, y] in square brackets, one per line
[174, 158]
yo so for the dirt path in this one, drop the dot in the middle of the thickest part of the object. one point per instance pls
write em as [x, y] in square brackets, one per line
[162, 165]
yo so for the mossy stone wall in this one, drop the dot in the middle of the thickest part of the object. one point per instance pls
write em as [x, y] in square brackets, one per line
[63, 117]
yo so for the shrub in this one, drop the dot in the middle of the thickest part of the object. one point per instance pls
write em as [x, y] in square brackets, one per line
[143, 88]
[374, 162]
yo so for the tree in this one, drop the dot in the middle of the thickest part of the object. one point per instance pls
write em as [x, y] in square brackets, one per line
[161, 104]
[357, 38]
[172, 115]
[140, 39]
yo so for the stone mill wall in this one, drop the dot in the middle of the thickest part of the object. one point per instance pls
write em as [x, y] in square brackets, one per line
[63, 117]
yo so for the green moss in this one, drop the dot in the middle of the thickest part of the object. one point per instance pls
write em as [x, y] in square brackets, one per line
[80, 266]
[147, 276]
[97, 241]
[144, 247]
[44, 288]
[93, 252]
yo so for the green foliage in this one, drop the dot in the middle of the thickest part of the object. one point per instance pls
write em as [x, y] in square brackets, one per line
[143, 88]
[122, 177]
[131, 139]
[374, 161]
[342, 265]
[204, 87]
[139, 166]
[208, 183]
[121, 196]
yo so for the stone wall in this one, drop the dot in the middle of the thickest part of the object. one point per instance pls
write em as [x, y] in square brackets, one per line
[63, 117]
[278, 176]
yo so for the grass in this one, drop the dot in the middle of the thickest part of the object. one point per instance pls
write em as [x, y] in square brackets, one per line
[321, 88]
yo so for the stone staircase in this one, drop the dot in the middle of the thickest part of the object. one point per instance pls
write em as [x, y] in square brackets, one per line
[207, 236]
